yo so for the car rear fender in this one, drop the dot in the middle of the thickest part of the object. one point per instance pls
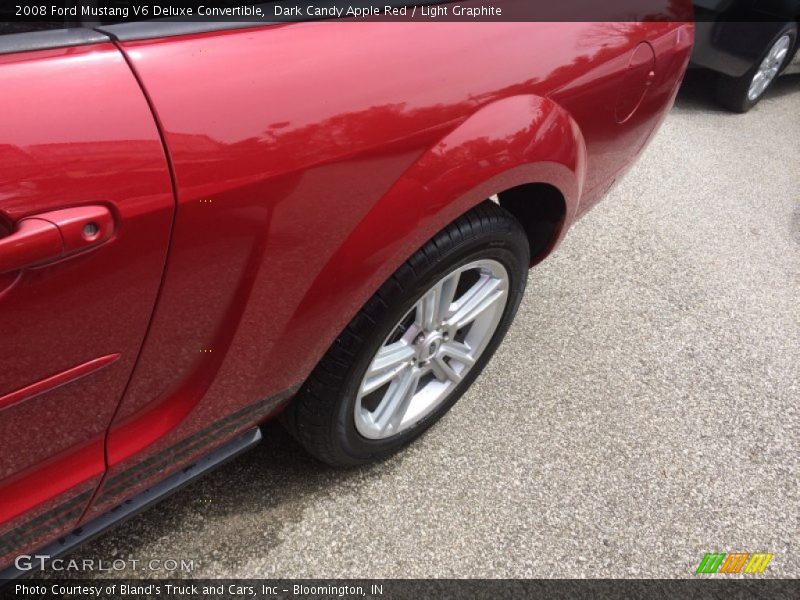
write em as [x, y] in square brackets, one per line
[514, 141]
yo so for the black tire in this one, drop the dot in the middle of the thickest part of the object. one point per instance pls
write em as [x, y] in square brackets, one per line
[732, 92]
[321, 417]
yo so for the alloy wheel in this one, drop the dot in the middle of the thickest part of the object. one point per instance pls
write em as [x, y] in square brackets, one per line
[769, 67]
[431, 349]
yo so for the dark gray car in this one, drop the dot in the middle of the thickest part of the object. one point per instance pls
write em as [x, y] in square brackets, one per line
[748, 44]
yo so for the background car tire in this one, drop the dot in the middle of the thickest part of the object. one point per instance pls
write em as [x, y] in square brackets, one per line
[734, 92]
[323, 415]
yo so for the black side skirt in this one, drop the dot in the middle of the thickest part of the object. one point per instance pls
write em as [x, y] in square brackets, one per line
[141, 501]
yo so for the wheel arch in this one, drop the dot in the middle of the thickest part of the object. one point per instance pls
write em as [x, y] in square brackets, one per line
[541, 209]
[514, 148]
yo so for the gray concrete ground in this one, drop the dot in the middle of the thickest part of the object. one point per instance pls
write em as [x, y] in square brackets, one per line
[642, 411]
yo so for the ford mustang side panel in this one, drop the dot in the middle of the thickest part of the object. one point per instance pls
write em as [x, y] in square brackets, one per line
[306, 174]
[188, 223]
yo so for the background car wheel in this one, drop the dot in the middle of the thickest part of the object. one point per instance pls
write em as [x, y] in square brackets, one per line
[417, 344]
[740, 94]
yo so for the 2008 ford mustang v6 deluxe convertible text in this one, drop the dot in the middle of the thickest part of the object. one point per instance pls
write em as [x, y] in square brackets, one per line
[327, 222]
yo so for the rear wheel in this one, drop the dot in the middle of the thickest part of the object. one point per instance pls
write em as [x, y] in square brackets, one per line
[740, 94]
[418, 343]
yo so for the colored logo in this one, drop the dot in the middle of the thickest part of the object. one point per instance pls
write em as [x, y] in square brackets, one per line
[736, 562]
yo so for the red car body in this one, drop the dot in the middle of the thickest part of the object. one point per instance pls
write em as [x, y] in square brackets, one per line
[253, 187]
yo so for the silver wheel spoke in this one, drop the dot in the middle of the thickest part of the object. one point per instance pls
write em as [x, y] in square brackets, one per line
[444, 371]
[459, 352]
[388, 364]
[449, 286]
[393, 408]
[433, 307]
[482, 296]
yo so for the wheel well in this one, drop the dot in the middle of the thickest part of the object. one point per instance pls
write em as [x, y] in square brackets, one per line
[540, 208]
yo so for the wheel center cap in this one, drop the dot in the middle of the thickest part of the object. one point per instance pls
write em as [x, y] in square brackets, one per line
[429, 346]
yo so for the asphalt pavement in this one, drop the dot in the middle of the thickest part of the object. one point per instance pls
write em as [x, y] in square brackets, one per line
[642, 411]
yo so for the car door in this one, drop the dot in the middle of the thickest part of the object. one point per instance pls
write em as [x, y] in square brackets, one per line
[86, 207]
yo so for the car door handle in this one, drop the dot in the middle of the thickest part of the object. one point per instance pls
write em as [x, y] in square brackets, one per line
[51, 236]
